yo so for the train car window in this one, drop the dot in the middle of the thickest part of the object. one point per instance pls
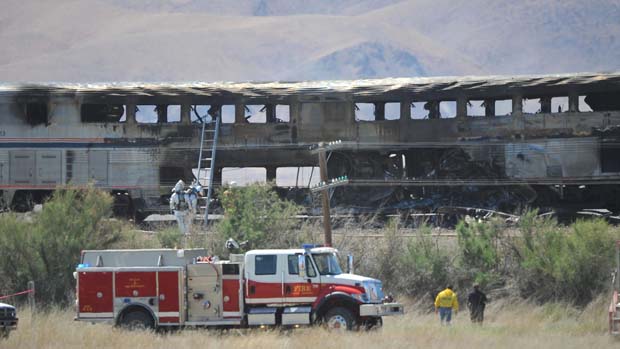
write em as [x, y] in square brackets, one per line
[228, 114]
[102, 113]
[610, 158]
[36, 113]
[303, 176]
[147, 114]
[169, 175]
[206, 113]
[447, 109]
[475, 107]
[503, 107]
[392, 111]
[418, 111]
[531, 105]
[364, 112]
[244, 175]
[559, 104]
[603, 101]
[257, 114]
[174, 113]
[283, 113]
[199, 113]
[583, 106]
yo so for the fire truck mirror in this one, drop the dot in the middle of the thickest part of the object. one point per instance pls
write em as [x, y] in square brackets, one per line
[301, 264]
[350, 264]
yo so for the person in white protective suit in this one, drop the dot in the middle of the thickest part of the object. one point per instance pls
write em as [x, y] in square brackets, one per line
[192, 193]
[180, 205]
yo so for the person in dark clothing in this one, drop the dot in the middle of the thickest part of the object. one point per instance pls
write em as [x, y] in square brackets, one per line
[476, 301]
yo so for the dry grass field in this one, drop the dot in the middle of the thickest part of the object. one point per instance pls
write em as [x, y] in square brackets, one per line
[509, 325]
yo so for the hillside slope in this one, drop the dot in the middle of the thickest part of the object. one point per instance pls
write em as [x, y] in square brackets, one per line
[159, 40]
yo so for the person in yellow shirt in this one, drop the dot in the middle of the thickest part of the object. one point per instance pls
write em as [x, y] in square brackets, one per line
[445, 302]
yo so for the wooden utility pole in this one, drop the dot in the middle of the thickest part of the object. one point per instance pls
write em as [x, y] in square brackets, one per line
[31, 302]
[327, 222]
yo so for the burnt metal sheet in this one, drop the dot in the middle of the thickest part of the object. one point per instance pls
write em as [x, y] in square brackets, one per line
[427, 86]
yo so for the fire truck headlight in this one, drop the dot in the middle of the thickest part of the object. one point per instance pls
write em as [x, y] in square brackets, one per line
[362, 297]
[374, 290]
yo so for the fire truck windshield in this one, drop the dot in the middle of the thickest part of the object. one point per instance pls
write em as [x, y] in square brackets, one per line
[327, 263]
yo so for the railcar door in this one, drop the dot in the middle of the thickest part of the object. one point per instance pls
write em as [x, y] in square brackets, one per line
[48, 167]
[98, 166]
[22, 167]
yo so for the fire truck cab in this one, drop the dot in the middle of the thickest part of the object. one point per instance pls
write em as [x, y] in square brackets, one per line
[289, 287]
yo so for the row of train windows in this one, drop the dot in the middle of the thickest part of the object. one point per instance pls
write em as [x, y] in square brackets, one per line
[150, 114]
[448, 109]
[285, 176]
[37, 113]
[281, 113]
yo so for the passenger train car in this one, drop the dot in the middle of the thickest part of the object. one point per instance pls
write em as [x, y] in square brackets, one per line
[406, 143]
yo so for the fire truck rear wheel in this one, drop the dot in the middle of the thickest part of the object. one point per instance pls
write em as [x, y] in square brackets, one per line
[339, 318]
[137, 319]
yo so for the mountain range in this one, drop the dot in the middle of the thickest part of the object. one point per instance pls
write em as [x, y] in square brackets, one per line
[265, 40]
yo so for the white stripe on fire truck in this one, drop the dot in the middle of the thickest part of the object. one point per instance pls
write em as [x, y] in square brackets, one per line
[95, 315]
[280, 300]
[168, 313]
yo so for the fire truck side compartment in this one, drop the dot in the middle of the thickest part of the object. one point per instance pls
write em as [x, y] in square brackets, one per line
[204, 292]
[96, 294]
[262, 316]
[296, 316]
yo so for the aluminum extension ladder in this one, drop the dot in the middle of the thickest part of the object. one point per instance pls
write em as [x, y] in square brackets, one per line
[208, 143]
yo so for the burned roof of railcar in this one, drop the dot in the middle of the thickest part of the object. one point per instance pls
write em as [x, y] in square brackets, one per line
[427, 87]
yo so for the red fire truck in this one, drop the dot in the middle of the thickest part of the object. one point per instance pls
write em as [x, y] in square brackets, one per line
[288, 287]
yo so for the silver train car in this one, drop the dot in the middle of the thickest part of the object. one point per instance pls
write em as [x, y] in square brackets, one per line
[406, 143]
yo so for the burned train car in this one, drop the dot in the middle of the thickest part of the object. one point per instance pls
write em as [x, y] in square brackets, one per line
[406, 143]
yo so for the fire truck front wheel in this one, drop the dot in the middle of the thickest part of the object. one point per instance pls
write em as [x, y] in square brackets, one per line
[339, 318]
[137, 319]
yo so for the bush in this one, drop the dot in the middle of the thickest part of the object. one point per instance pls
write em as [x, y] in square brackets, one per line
[565, 263]
[478, 244]
[427, 266]
[257, 215]
[47, 249]
[169, 237]
[480, 252]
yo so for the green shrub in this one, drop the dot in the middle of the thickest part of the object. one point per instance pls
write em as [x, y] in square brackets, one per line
[47, 249]
[478, 244]
[565, 263]
[257, 215]
[169, 237]
[16, 254]
[426, 265]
